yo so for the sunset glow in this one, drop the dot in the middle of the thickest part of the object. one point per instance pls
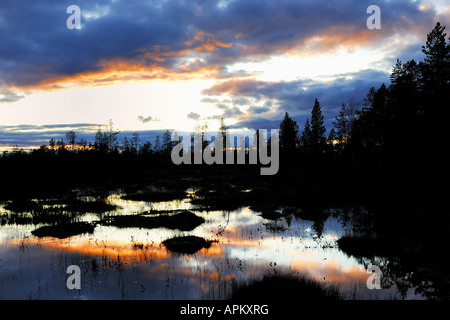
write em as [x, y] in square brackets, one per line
[151, 67]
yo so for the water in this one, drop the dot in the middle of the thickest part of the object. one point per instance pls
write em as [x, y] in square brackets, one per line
[132, 263]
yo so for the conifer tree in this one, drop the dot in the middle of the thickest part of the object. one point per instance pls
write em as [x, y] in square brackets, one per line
[288, 133]
[317, 129]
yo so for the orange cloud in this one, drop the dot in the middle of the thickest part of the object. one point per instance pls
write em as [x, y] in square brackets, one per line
[223, 45]
[122, 70]
[115, 71]
[208, 38]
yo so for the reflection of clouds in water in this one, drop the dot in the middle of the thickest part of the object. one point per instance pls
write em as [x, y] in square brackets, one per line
[247, 246]
[132, 206]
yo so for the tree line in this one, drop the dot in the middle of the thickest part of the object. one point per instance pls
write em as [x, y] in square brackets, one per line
[400, 125]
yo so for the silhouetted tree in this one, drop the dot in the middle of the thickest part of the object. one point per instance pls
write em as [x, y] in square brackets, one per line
[288, 134]
[435, 88]
[305, 139]
[406, 108]
[223, 130]
[344, 124]
[317, 129]
[331, 140]
[157, 146]
[436, 66]
[82, 143]
[167, 143]
[134, 143]
[375, 118]
[126, 146]
[71, 137]
[146, 148]
[101, 141]
[112, 136]
[201, 130]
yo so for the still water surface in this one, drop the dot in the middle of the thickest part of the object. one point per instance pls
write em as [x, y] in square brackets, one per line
[132, 263]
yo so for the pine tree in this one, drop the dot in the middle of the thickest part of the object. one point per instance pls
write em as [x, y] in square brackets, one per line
[99, 140]
[436, 51]
[435, 91]
[112, 136]
[126, 145]
[436, 73]
[157, 146]
[135, 143]
[146, 148]
[341, 124]
[317, 129]
[167, 141]
[305, 139]
[288, 133]
[223, 130]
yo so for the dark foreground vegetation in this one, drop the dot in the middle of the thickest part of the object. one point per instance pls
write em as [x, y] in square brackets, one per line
[186, 244]
[284, 287]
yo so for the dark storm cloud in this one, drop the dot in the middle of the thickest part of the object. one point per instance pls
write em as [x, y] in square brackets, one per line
[297, 97]
[257, 123]
[259, 110]
[36, 45]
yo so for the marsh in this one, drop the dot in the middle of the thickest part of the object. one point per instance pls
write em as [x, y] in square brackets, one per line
[187, 248]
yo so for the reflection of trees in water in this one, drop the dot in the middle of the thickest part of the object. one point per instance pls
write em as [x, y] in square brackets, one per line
[409, 247]
[51, 211]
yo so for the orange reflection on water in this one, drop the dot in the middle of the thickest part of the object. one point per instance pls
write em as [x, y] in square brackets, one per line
[110, 249]
[244, 248]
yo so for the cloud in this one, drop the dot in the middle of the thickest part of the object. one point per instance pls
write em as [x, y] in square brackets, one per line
[228, 112]
[256, 123]
[272, 99]
[26, 135]
[6, 96]
[124, 41]
[259, 110]
[292, 95]
[193, 116]
[83, 127]
[147, 119]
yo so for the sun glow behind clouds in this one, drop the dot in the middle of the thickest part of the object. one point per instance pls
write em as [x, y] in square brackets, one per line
[171, 100]
[325, 66]
[167, 101]
[193, 55]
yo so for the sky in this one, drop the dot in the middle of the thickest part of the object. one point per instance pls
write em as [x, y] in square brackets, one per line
[162, 64]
